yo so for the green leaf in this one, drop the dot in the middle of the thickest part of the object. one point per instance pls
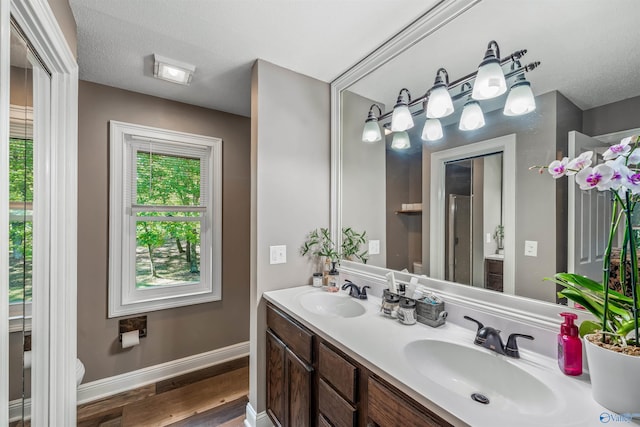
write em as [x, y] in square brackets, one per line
[588, 327]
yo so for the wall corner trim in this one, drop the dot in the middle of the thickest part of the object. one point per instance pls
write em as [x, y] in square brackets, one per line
[253, 419]
[105, 387]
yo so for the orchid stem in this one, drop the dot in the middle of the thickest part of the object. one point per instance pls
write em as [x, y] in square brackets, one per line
[634, 267]
[607, 262]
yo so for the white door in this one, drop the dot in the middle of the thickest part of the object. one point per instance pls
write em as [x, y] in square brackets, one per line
[589, 213]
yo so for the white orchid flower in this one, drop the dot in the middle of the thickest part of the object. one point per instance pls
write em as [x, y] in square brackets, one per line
[597, 177]
[579, 163]
[617, 150]
[558, 168]
[631, 180]
[619, 171]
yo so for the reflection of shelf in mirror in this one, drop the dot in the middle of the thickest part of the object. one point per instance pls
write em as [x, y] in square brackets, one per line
[409, 212]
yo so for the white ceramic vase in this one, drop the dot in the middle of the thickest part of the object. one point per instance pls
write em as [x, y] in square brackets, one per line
[614, 379]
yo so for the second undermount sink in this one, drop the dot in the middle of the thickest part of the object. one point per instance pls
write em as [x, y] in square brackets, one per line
[486, 378]
[331, 305]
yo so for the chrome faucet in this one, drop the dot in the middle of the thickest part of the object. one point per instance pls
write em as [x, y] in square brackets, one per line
[354, 290]
[489, 337]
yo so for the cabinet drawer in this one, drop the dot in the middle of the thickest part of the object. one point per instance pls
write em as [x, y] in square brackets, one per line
[338, 372]
[389, 409]
[493, 266]
[333, 407]
[298, 339]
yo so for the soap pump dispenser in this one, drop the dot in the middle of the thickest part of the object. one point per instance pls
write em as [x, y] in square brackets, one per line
[569, 346]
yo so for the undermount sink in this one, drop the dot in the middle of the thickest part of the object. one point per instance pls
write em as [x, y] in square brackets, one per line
[486, 378]
[331, 305]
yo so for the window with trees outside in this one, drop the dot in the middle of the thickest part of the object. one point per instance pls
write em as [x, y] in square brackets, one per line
[165, 223]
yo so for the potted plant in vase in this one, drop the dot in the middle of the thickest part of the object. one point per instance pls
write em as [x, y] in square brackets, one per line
[320, 246]
[498, 236]
[612, 342]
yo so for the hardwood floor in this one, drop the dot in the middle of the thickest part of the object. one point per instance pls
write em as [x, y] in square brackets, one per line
[216, 396]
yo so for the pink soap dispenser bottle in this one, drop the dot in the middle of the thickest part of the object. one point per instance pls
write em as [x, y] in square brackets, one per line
[569, 346]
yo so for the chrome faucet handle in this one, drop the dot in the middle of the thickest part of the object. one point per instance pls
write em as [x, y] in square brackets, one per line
[511, 349]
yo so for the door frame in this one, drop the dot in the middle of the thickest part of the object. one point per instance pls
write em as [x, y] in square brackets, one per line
[54, 399]
[507, 145]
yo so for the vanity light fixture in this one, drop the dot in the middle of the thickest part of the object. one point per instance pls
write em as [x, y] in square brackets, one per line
[400, 141]
[520, 100]
[371, 131]
[490, 81]
[172, 70]
[439, 104]
[401, 119]
[472, 117]
[432, 130]
[437, 100]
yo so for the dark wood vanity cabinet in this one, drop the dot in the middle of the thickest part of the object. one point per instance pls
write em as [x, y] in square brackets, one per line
[337, 388]
[493, 274]
[290, 373]
[390, 408]
[312, 383]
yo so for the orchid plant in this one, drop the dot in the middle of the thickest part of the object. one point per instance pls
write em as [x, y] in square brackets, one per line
[620, 176]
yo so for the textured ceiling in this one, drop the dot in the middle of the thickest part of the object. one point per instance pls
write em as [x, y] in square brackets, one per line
[589, 49]
[222, 38]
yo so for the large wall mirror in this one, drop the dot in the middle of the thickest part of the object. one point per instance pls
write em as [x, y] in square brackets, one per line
[467, 207]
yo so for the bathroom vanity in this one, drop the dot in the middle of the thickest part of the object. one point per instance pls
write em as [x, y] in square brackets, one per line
[333, 360]
[309, 379]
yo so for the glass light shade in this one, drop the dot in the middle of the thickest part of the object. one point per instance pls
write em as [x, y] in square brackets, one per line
[439, 104]
[490, 81]
[400, 141]
[401, 119]
[371, 131]
[472, 116]
[432, 130]
[520, 100]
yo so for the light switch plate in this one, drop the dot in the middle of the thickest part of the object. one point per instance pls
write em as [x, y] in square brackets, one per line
[278, 254]
[374, 247]
[530, 248]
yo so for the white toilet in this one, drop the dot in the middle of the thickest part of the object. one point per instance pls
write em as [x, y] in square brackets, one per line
[79, 367]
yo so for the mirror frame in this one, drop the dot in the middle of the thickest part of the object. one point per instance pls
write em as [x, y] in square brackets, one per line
[440, 14]
[54, 398]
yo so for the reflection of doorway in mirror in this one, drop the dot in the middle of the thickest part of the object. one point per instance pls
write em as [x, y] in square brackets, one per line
[473, 188]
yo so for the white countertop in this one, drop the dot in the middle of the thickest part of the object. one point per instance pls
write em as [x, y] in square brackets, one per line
[378, 343]
[497, 257]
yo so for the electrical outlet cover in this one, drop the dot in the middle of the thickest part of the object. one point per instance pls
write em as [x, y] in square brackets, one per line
[278, 254]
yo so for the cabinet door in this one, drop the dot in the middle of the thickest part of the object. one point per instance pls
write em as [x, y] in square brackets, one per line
[276, 398]
[299, 393]
[389, 409]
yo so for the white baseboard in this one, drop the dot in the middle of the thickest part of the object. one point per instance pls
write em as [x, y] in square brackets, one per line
[15, 409]
[106, 387]
[254, 419]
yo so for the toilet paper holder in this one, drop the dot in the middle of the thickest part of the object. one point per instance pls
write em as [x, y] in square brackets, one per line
[133, 324]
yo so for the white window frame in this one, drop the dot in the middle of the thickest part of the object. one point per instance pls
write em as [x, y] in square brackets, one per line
[126, 140]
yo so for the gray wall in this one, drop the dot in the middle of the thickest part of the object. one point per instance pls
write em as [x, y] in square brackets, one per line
[66, 21]
[290, 189]
[172, 333]
[363, 204]
[614, 117]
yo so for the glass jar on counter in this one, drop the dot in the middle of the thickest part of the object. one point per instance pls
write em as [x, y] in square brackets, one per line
[317, 280]
[407, 311]
[390, 305]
